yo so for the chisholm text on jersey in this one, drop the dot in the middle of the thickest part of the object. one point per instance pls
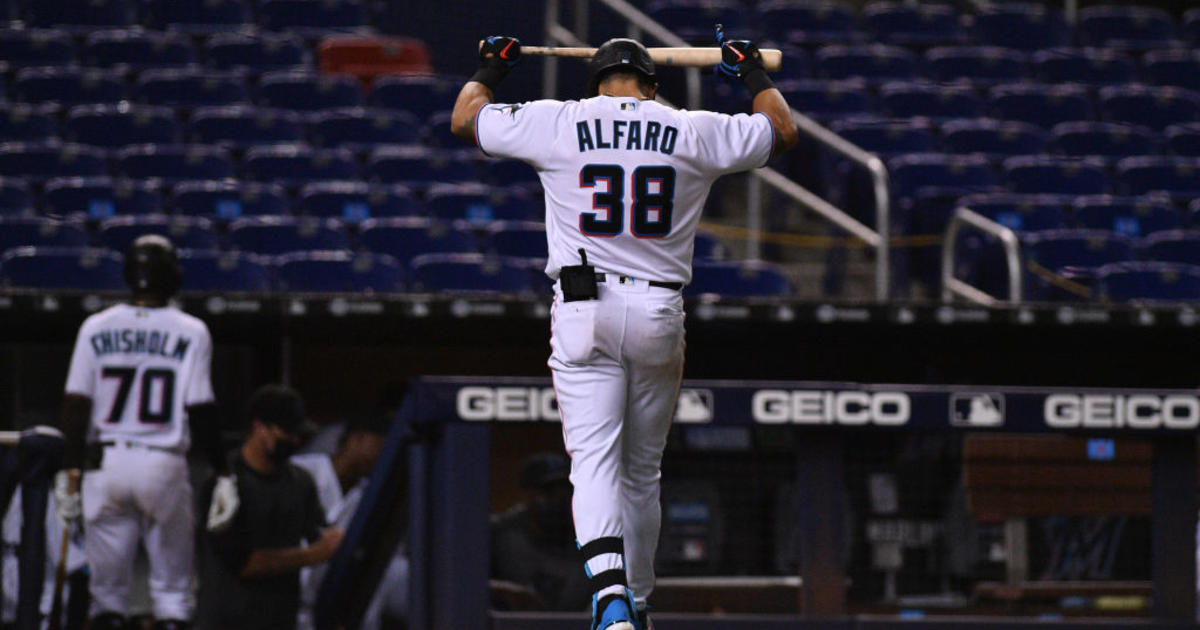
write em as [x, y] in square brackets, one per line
[626, 134]
[139, 341]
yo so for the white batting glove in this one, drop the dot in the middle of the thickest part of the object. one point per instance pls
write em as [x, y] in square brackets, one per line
[224, 504]
[68, 502]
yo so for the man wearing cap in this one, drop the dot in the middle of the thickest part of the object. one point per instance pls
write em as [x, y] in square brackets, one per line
[259, 519]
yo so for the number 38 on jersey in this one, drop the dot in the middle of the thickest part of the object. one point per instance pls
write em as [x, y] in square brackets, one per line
[650, 200]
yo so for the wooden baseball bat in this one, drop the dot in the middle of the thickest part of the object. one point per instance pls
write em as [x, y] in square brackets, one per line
[692, 57]
[60, 573]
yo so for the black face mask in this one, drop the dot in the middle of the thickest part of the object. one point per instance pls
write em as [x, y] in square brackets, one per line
[283, 450]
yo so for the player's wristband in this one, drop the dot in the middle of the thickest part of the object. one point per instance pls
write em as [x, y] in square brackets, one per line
[756, 81]
[490, 75]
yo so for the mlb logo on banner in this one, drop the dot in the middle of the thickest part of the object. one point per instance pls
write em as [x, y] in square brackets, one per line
[977, 409]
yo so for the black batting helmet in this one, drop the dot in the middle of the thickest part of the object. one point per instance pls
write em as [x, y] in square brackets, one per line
[616, 54]
[152, 266]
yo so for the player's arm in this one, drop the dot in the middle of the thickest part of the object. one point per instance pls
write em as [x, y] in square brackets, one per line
[741, 59]
[497, 55]
[268, 562]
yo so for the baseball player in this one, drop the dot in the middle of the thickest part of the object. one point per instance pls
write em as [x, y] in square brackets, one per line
[138, 381]
[625, 179]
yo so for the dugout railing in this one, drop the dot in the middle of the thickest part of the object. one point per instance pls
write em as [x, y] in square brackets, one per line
[965, 218]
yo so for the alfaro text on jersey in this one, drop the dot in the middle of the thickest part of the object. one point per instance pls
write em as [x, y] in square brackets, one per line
[611, 134]
[138, 341]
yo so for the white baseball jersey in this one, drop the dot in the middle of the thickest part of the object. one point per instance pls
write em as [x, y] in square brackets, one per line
[625, 179]
[142, 367]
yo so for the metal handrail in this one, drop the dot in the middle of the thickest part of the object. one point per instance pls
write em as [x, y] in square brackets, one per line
[951, 286]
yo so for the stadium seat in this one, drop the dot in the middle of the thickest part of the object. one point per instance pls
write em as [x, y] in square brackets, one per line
[994, 138]
[709, 247]
[1175, 66]
[355, 201]
[137, 49]
[274, 235]
[365, 58]
[199, 17]
[1178, 177]
[227, 200]
[1043, 105]
[1098, 66]
[212, 271]
[190, 87]
[780, 17]
[693, 21]
[312, 18]
[520, 203]
[470, 273]
[67, 85]
[397, 164]
[420, 95]
[1101, 25]
[437, 131]
[307, 91]
[297, 163]
[81, 268]
[887, 137]
[258, 52]
[824, 98]
[1176, 246]
[174, 162]
[1148, 282]
[338, 271]
[99, 198]
[1057, 249]
[118, 233]
[40, 232]
[1024, 25]
[1132, 216]
[1191, 25]
[27, 123]
[113, 126]
[362, 129]
[1153, 106]
[517, 238]
[36, 47]
[1019, 212]
[737, 279]
[474, 202]
[1102, 139]
[240, 127]
[983, 65]
[1184, 140]
[406, 237]
[503, 172]
[912, 25]
[15, 196]
[38, 161]
[917, 170]
[1056, 175]
[904, 99]
[867, 61]
[80, 15]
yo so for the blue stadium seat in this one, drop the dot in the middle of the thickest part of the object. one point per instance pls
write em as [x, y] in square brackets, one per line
[1057, 249]
[1177, 246]
[198, 17]
[82, 268]
[420, 95]
[470, 273]
[1184, 139]
[502, 172]
[419, 164]
[904, 99]
[189, 87]
[297, 163]
[307, 91]
[737, 279]
[339, 271]
[1018, 212]
[40, 232]
[212, 271]
[907, 24]
[1100, 25]
[914, 171]
[867, 61]
[36, 47]
[525, 239]
[174, 162]
[693, 20]
[1178, 177]
[240, 127]
[980, 64]
[780, 17]
[38, 161]
[15, 196]
[1153, 106]
[824, 98]
[316, 18]
[67, 85]
[1056, 175]
[27, 123]
[1191, 215]
[1097, 66]
[709, 247]
[1132, 216]
[274, 235]
[994, 138]
[406, 237]
[258, 52]
[1148, 282]
[99, 198]
[1024, 25]
[1191, 25]
[112, 126]
[887, 136]
[1043, 105]
[362, 129]
[227, 200]
[80, 15]
[118, 233]
[437, 130]
[1102, 139]
[355, 201]
[1175, 66]
[520, 203]
[471, 201]
[137, 49]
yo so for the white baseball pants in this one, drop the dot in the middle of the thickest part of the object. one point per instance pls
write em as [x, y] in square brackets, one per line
[617, 362]
[140, 494]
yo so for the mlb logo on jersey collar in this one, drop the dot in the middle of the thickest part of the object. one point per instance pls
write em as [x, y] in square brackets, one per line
[629, 106]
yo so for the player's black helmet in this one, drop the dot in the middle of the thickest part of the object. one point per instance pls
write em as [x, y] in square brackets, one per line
[617, 53]
[152, 266]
